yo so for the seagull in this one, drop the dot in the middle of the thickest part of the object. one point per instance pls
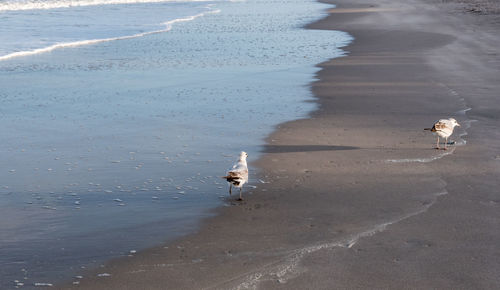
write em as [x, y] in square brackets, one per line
[443, 128]
[238, 175]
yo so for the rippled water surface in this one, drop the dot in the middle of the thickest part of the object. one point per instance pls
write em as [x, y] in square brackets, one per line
[118, 119]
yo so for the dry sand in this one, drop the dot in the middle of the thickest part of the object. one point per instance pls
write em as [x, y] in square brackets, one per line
[357, 197]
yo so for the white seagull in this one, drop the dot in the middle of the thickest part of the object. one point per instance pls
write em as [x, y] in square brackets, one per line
[443, 128]
[238, 175]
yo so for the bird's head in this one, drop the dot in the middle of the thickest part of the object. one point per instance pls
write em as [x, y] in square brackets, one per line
[454, 122]
[243, 155]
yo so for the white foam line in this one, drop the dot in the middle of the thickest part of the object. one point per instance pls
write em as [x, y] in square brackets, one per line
[168, 27]
[464, 111]
[460, 112]
[422, 160]
[288, 268]
[45, 5]
[466, 124]
[382, 227]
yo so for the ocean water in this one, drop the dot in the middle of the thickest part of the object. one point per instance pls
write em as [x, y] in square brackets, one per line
[119, 117]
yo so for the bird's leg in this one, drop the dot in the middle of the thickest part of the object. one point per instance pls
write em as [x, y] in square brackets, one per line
[437, 143]
[230, 187]
[240, 195]
[445, 143]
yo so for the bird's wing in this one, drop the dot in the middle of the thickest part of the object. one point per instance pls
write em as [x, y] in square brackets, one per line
[239, 176]
[442, 125]
[239, 167]
[239, 171]
[233, 174]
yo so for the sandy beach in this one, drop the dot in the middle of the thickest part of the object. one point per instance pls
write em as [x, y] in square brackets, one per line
[355, 196]
[133, 111]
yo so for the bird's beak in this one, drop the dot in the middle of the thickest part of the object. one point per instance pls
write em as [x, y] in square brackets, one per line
[458, 125]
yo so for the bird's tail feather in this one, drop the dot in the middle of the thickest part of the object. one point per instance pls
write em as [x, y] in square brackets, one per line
[427, 129]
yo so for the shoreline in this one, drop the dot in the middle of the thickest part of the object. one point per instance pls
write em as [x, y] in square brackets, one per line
[332, 209]
[148, 177]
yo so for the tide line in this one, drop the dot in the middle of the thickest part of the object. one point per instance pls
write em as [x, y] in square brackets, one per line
[168, 27]
[421, 160]
[55, 4]
[465, 125]
[289, 267]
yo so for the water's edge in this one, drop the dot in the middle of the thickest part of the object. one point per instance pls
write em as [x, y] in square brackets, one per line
[312, 69]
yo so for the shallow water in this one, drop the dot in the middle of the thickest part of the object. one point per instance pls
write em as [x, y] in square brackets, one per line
[119, 145]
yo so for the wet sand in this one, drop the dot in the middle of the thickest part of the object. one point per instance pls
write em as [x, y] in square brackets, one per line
[355, 196]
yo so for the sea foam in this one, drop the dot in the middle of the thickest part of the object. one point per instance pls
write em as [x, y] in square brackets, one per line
[168, 26]
[289, 267]
[54, 4]
[139, 101]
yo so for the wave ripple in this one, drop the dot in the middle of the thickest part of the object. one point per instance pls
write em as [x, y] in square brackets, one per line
[54, 4]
